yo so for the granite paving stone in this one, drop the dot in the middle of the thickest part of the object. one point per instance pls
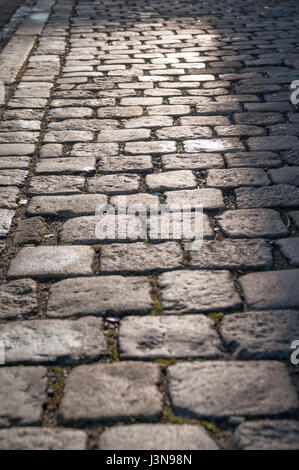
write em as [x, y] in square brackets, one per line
[273, 289]
[267, 435]
[289, 247]
[252, 223]
[66, 206]
[23, 394]
[198, 291]
[232, 254]
[87, 395]
[34, 438]
[53, 341]
[17, 299]
[52, 261]
[156, 437]
[116, 295]
[140, 257]
[166, 337]
[260, 335]
[259, 389]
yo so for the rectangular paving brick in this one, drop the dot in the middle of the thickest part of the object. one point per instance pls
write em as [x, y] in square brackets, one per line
[106, 295]
[166, 337]
[260, 389]
[260, 335]
[140, 257]
[66, 206]
[23, 394]
[52, 261]
[252, 223]
[87, 395]
[198, 291]
[274, 289]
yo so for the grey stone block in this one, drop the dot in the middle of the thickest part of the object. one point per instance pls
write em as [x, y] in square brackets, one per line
[198, 291]
[252, 223]
[53, 341]
[156, 437]
[116, 295]
[232, 254]
[290, 249]
[140, 257]
[219, 390]
[274, 289]
[17, 299]
[268, 435]
[88, 392]
[22, 395]
[26, 438]
[167, 337]
[52, 261]
[260, 335]
[66, 206]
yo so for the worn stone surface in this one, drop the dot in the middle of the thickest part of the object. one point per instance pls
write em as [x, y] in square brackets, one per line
[274, 289]
[129, 163]
[8, 197]
[17, 299]
[52, 261]
[114, 184]
[253, 159]
[289, 247]
[232, 254]
[156, 437]
[88, 396]
[260, 335]
[140, 257]
[259, 389]
[6, 217]
[65, 166]
[281, 195]
[267, 435]
[53, 341]
[208, 198]
[55, 184]
[23, 393]
[252, 223]
[171, 180]
[193, 161]
[12, 177]
[100, 296]
[235, 177]
[198, 291]
[33, 438]
[66, 206]
[117, 105]
[30, 230]
[166, 337]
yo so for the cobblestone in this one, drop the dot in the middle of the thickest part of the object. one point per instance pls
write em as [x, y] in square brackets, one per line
[99, 296]
[180, 293]
[260, 335]
[23, 394]
[267, 435]
[135, 392]
[52, 261]
[161, 337]
[34, 438]
[53, 341]
[152, 103]
[252, 223]
[260, 388]
[156, 437]
[274, 289]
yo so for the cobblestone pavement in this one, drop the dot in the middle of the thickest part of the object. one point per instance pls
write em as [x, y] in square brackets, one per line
[123, 345]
